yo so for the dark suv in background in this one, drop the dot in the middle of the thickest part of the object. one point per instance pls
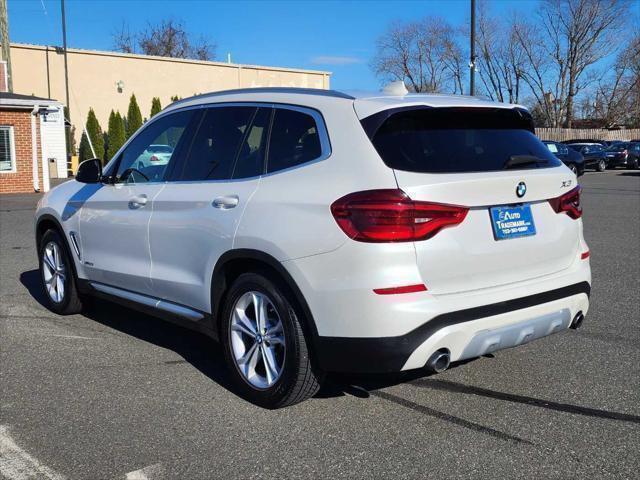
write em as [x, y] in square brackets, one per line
[624, 154]
[594, 155]
[570, 157]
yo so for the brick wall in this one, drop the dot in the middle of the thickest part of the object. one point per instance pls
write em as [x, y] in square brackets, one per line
[22, 180]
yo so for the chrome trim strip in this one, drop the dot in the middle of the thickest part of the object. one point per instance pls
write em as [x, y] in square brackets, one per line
[74, 243]
[179, 310]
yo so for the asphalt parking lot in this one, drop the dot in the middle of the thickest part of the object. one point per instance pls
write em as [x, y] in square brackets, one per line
[115, 394]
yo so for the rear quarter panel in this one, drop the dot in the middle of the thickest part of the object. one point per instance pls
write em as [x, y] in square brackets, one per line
[289, 215]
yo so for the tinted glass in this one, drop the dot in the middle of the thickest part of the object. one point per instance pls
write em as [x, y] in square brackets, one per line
[250, 162]
[141, 161]
[160, 149]
[442, 140]
[294, 140]
[217, 142]
[617, 147]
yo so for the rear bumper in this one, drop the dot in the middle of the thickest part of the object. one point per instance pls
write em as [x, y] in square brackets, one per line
[466, 333]
[616, 161]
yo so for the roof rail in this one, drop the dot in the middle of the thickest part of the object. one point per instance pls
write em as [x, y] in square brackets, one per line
[294, 90]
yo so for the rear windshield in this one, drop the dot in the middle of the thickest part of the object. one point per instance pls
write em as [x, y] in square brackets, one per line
[160, 149]
[452, 140]
[618, 147]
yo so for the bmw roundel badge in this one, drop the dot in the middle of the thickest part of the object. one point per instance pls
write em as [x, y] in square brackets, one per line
[521, 189]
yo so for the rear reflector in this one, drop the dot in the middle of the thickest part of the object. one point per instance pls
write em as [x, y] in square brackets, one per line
[585, 255]
[568, 203]
[406, 289]
[391, 216]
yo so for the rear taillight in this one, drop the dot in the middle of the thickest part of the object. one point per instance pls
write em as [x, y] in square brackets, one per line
[391, 216]
[568, 203]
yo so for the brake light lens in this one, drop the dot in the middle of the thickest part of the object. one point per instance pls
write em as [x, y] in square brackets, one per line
[568, 203]
[378, 216]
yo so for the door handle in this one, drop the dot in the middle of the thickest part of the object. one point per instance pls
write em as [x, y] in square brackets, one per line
[138, 201]
[226, 202]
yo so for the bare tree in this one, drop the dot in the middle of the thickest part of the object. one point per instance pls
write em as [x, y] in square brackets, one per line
[425, 55]
[617, 97]
[123, 41]
[502, 61]
[569, 37]
[169, 38]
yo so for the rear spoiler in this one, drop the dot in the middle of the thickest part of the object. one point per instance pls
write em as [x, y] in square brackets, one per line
[455, 117]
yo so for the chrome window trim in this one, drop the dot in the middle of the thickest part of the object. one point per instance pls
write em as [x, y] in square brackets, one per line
[325, 141]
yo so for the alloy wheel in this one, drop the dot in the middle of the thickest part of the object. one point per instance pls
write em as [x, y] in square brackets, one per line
[257, 340]
[54, 272]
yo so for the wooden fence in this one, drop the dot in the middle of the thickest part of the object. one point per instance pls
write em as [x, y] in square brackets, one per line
[561, 134]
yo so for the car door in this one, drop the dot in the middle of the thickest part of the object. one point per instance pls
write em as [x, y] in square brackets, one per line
[114, 221]
[196, 215]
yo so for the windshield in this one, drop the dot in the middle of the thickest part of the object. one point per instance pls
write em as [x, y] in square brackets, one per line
[447, 140]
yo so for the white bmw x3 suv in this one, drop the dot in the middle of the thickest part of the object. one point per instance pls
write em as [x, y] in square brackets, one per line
[314, 231]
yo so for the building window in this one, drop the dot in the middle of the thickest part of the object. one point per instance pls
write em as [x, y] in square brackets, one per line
[7, 150]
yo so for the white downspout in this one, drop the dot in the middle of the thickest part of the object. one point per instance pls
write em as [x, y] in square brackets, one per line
[34, 149]
[45, 160]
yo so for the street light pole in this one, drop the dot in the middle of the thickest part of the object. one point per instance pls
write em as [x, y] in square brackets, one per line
[6, 46]
[472, 59]
[66, 69]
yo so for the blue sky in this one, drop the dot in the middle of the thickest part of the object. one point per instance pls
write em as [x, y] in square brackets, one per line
[330, 35]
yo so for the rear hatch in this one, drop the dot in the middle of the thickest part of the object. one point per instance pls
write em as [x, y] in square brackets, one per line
[489, 161]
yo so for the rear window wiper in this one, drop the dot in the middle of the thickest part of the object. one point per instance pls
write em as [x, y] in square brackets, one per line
[522, 160]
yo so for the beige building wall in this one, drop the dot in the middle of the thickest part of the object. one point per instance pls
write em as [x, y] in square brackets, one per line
[94, 77]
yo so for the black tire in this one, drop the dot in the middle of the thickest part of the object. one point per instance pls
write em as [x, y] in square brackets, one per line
[633, 165]
[298, 379]
[70, 302]
[601, 166]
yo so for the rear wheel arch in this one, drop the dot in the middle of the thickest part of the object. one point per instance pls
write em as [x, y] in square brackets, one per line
[235, 262]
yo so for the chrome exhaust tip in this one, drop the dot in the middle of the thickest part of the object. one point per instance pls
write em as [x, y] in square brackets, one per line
[439, 361]
[577, 321]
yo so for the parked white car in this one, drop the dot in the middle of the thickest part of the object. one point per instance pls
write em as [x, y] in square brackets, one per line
[313, 231]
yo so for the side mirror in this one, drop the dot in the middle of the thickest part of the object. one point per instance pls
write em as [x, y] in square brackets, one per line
[89, 171]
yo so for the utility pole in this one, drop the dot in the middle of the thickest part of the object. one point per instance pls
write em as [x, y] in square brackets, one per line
[66, 69]
[472, 59]
[6, 47]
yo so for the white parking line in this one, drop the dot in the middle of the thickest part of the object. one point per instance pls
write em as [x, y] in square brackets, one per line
[16, 464]
[150, 472]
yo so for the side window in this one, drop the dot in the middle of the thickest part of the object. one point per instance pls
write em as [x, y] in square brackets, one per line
[147, 157]
[294, 140]
[250, 162]
[217, 143]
